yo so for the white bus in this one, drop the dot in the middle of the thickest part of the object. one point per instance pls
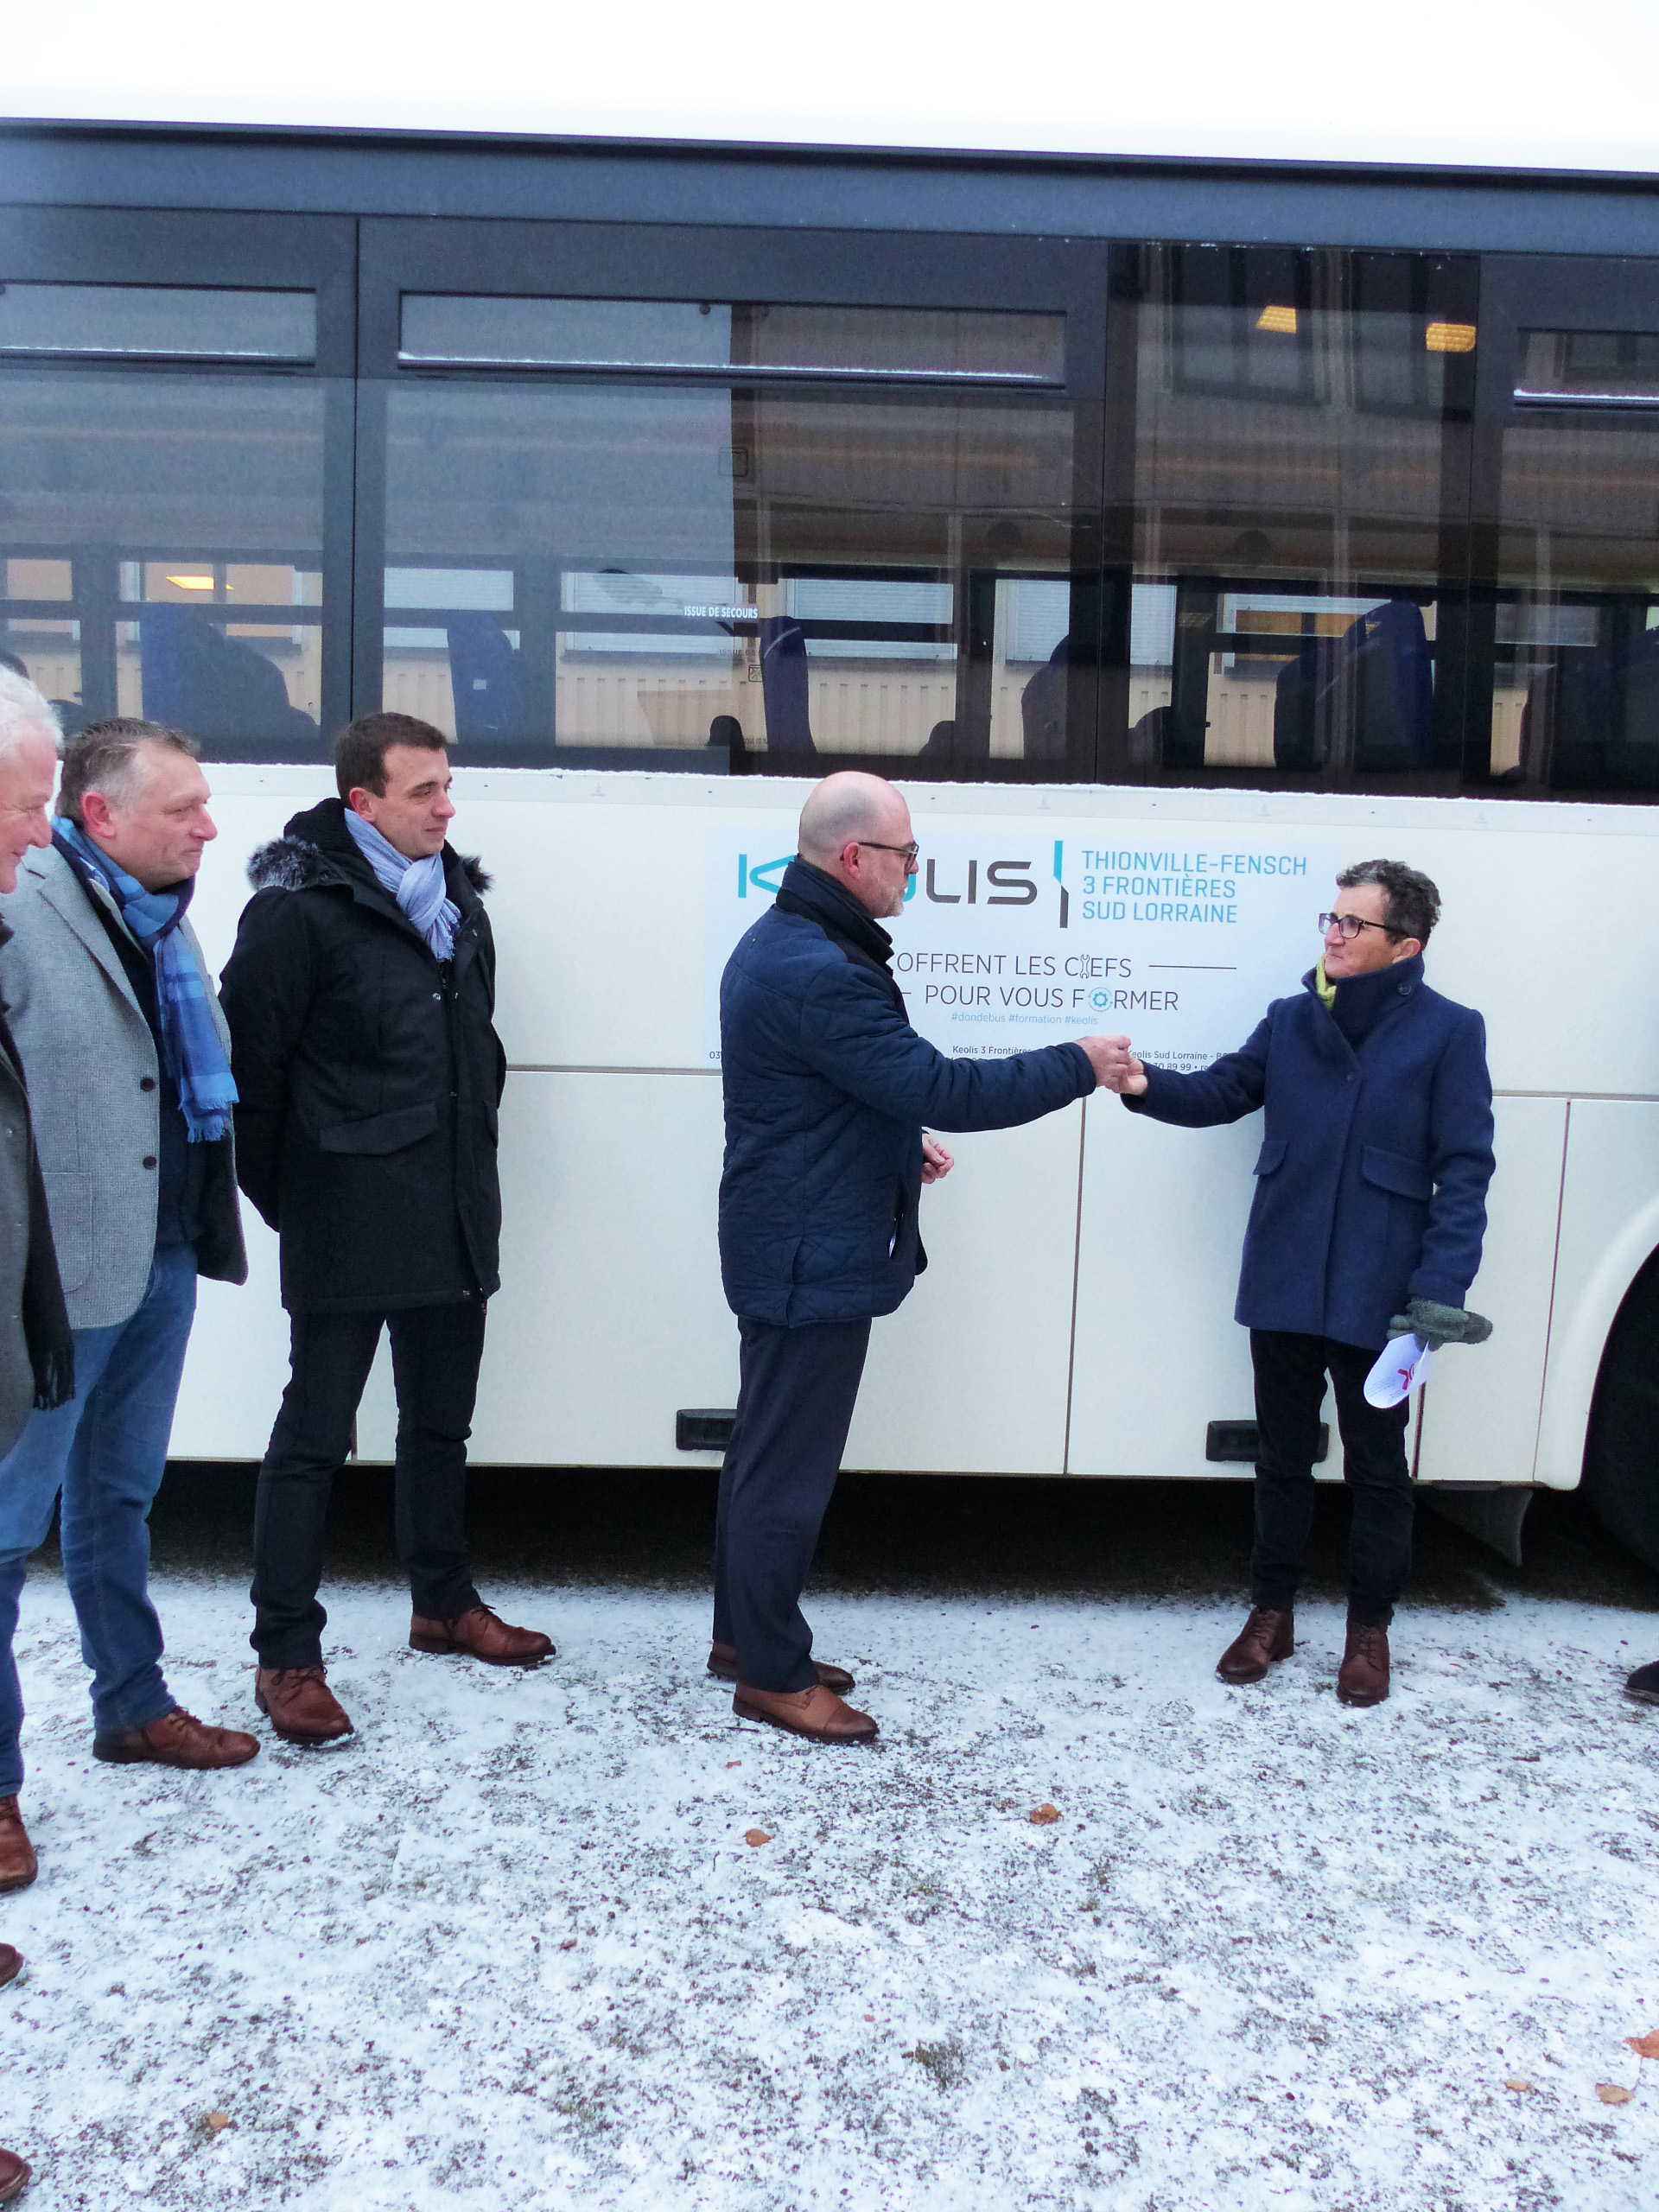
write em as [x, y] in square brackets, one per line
[1174, 530]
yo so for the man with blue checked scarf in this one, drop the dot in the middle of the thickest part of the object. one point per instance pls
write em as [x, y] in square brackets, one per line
[360, 997]
[127, 1061]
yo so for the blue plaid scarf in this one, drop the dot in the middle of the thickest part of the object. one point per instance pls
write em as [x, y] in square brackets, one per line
[192, 1055]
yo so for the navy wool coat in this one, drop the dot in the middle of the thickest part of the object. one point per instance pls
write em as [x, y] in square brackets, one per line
[1372, 1180]
[828, 1089]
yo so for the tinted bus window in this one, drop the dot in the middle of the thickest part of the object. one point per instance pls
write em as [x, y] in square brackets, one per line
[730, 574]
[161, 546]
[1290, 413]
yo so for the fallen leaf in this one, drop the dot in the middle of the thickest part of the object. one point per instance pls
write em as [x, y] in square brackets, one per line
[756, 1836]
[1517, 2086]
[568, 1944]
[730, 1763]
[215, 2121]
[1045, 1816]
[1645, 2046]
[870, 2016]
[1610, 2093]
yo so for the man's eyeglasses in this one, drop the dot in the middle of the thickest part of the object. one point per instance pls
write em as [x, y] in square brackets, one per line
[1351, 926]
[910, 851]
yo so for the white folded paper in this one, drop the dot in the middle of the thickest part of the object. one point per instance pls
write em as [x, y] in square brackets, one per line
[1401, 1366]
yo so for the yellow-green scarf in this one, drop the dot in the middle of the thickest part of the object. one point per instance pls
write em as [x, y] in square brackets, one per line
[1327, 991]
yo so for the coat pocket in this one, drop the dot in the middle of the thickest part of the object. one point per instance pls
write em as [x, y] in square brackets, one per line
[1392, 1170]
[381, 1132]
[1271, 1156]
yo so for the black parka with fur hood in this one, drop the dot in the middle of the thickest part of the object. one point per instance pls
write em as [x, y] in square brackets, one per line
[370, 1075]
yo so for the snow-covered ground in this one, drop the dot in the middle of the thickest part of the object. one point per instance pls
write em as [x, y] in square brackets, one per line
[509, 1946]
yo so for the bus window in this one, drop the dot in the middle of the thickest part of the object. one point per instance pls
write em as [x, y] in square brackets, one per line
[1575, 692]
[1290, 416]
[846, 562]
[161, 547]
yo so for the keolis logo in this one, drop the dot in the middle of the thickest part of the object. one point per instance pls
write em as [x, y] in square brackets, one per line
[968, 882]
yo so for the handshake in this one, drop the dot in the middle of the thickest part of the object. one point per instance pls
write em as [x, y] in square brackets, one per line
[1114, 1065]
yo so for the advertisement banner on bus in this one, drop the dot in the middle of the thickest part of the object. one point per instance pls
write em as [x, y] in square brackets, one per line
[1177, 935]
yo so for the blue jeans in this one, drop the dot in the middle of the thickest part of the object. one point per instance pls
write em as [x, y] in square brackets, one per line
[106, 1450]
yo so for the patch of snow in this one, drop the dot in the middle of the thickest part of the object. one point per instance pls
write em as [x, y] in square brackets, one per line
[507, 1945]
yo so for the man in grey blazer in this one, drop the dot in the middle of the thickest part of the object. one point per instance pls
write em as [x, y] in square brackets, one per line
[127, 1061]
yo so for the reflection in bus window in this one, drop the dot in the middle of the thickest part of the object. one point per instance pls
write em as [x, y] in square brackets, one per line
[1575, 692]
[162, 538]
[1290, 411]
[768, 573]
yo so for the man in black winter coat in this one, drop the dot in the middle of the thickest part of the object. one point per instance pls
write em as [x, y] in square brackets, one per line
[360, 996]
[827, 1090]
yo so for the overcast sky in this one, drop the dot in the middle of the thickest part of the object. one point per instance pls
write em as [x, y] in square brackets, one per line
[1522, 84]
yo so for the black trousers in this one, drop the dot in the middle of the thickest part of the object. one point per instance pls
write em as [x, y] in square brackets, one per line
[435, 1350]
[1290, 1372]
[795, 1402]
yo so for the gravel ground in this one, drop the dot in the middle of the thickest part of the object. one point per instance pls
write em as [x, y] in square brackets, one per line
[515, 1944]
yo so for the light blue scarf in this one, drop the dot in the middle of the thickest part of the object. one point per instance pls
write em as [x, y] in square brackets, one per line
[192, 1055]
[417, 885]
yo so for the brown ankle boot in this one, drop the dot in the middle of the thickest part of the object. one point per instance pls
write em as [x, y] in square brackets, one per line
[301, 1707]
[13, 2176]
[722, 1665]
[18, 1865]
[1362, 1678]
[1266, 1636]
[11, 1964]
[481, 1634]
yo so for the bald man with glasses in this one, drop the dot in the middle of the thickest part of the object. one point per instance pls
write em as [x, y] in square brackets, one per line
[1367, 1224]
[827, 1091]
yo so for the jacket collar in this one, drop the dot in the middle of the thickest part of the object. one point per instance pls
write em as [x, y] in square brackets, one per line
[807, 890]
[317, 848]
[1363, 1001]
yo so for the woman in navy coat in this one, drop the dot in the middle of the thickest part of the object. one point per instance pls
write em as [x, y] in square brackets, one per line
[1367, 1223]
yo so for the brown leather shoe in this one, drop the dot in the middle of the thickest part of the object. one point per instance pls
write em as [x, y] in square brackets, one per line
[1266, 1636]
[18, 1865]
[13, 2176]
[178, 1738]
[1362, 1677]
[722, 1665]
[817, 1713]
[300, 1705]
[11, 1964]
[481, 1634]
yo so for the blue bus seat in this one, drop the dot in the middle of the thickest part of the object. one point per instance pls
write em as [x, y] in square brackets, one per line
[1378, 673]
[785, 685]
[486, 679]
[198, 680]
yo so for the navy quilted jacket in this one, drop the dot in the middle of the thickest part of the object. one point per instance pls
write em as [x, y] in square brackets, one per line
[1370, 1186]
[828, 1089]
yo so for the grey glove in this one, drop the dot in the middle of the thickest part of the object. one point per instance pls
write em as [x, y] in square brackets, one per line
[1435, 1324]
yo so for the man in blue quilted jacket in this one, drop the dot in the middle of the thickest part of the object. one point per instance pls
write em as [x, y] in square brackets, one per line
[1367, 1223]
[828, 1089]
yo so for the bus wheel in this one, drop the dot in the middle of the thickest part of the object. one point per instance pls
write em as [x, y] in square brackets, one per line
[1621, 1459]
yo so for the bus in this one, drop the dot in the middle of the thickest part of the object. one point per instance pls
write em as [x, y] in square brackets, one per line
[1174, 530]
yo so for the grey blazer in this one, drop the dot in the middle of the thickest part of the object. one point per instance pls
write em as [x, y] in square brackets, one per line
[90, 1058]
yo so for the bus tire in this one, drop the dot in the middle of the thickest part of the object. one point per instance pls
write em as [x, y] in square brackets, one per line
[1621, 1457]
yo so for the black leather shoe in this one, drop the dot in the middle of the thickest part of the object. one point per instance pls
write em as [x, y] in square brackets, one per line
[1644, 1685]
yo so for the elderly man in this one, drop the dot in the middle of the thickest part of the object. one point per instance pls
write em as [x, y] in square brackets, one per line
[361, 997]
[1367, 1223]
[37, 1353]
[827, 1088]
[129, 1074]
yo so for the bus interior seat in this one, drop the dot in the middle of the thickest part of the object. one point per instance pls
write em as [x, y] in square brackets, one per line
[726, 735]
[486, 679]
[1042, 705]
[198, 680]
[1378, 672]
[941, 741]
[785, 685]
[1594, 719]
